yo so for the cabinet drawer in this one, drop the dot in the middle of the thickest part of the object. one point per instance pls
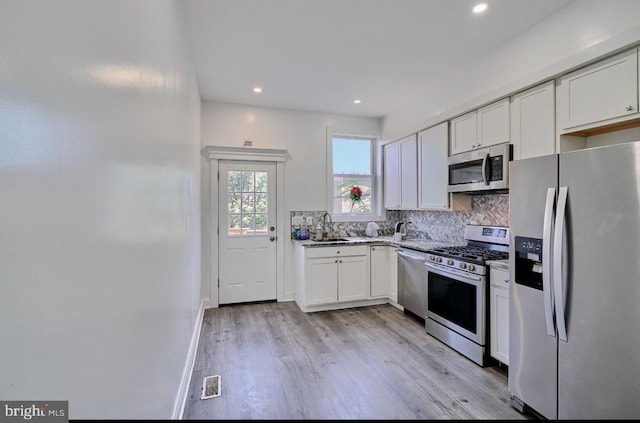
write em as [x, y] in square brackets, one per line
[337, 251]
[499, 277]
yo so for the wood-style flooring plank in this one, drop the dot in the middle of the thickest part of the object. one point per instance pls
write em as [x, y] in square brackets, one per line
[278, 363]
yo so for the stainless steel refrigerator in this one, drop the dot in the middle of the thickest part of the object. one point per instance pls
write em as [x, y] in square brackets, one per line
[574, 257]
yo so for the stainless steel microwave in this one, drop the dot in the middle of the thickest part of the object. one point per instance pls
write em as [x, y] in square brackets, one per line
[485, 169]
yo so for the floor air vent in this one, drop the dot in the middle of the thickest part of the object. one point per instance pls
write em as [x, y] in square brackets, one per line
[210, 387]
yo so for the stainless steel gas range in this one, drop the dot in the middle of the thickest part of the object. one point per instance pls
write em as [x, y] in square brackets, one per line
[457, 289]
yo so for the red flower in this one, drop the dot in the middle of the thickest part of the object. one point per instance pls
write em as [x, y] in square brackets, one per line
[355, 193]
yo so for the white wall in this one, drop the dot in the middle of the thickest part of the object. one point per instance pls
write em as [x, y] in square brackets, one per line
[303, 134]
[99, 205]
[583, 31]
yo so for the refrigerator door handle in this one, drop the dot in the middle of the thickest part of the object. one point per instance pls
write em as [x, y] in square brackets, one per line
[547, 289]
[486, 177]
[557, 263]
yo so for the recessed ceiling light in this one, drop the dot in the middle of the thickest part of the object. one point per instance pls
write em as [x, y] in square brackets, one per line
[257, 90]
[357, 101]
[480, 7]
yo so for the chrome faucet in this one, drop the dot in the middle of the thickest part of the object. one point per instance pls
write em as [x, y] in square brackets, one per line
[324, 223]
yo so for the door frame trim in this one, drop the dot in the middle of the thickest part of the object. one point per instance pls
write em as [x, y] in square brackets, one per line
[212, 156]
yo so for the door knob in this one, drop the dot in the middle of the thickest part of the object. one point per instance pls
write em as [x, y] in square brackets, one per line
[272, 228]
[629, 108]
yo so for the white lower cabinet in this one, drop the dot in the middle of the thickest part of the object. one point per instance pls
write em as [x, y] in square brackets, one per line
[393, 273]
[353, 278]
[499, 309]
[343, 276]
[384, 272]
[321, 280]
[380, 271]
[332, 275]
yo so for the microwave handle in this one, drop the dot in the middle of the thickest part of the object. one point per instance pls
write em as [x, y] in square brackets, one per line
[486, 170]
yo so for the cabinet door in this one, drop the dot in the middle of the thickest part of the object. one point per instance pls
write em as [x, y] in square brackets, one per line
[433, 173]
[353, 278]
[493, 124]
[379, 271]
[464, 133]
[392, 176]
[533, 122]
[499, 306]
[393, 273]
[409, 172]
[605, 90]
[321, 279]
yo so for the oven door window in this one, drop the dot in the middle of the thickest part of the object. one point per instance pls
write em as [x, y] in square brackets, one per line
[465, 173]
[452, 300]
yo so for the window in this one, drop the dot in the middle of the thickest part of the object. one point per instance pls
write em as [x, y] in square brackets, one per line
[354, 194]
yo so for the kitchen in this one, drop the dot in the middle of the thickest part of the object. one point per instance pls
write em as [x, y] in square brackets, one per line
[120, 149]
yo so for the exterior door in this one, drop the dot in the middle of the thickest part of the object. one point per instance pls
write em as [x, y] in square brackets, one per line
[247, 232]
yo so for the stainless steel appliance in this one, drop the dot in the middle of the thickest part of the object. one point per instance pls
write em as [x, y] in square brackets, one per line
[457, 289]
[484, 169]
[412, 277]
[574, 312]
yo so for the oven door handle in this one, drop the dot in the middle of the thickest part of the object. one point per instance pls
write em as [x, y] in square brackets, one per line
[453, 272]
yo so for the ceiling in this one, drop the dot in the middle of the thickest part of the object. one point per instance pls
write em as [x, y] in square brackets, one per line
[320, 55]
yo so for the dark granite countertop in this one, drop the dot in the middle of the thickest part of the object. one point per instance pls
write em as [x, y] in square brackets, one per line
[412, 243]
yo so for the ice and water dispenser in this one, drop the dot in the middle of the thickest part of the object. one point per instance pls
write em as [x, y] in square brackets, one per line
[528, 263]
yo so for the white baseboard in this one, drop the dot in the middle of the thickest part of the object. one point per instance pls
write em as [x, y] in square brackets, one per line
[183, 391]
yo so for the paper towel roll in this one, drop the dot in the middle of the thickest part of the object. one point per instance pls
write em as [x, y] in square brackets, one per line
[372, 229]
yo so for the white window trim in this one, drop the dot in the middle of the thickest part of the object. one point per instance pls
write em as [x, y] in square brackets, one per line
[378, 212]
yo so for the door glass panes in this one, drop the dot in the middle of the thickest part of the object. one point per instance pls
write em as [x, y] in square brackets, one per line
[247, 202]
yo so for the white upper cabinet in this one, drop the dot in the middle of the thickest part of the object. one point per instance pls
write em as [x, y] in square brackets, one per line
[392, 175]
[433, 150]
[494, 123]
[464, 133]
[533, 119]
[489, 125]
[605, 90]
[401, 174]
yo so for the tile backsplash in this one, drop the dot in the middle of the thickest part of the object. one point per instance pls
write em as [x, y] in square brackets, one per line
[446, 226]
[341, 229]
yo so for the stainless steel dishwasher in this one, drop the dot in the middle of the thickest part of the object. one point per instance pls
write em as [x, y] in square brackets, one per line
[412, 281]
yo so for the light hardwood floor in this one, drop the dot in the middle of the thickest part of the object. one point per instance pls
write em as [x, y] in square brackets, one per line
[277, 362]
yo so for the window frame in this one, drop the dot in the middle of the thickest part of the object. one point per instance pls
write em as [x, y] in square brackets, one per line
[378, 213]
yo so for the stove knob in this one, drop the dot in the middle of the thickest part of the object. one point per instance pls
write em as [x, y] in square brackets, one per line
[439, 260]
[431, 258]
[471, 267]
[449, 262]
[463, 265]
